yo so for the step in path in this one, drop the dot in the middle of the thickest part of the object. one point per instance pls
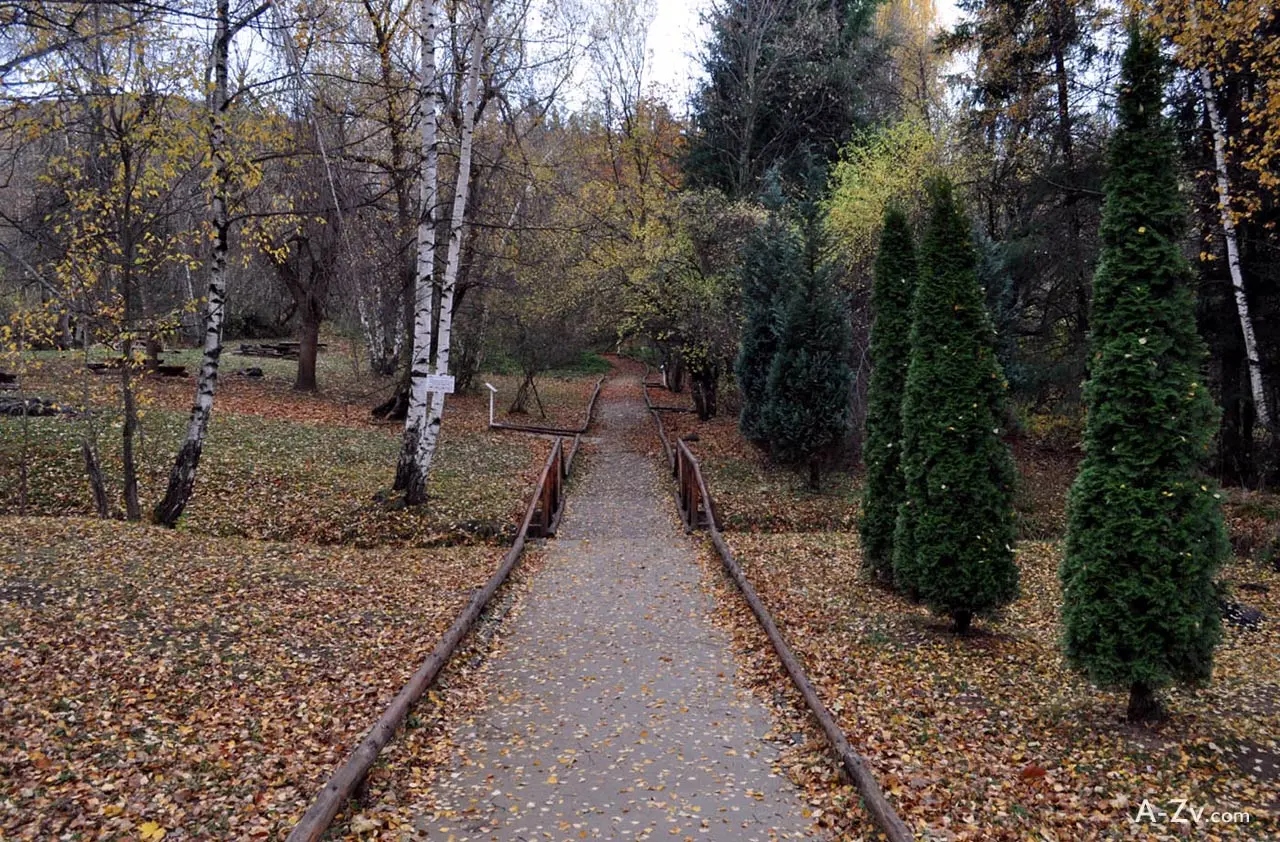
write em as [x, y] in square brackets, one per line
[614, 713]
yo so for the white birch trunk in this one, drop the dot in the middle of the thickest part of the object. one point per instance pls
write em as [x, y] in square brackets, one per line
[383, 345]
[457, 230]
[182, 477]
[411, 476]
[372, 338]
[1260, 405]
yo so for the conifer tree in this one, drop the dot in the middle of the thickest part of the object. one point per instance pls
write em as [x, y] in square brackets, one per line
[807, 415]
[1145, 533]
[891, 293]
[772, 255]
[953, 546]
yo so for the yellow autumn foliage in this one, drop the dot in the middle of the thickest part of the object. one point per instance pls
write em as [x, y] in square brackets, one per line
[890, 164]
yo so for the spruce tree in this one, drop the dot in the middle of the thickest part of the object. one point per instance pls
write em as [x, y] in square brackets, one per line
[1145, 533]
[891, 293]
[953, 546]
[807, 415]
[772, 255]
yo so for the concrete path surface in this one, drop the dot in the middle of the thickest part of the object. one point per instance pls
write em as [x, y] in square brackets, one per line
[614, 713]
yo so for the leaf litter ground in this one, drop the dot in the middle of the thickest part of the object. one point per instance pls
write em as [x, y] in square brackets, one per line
[201, 684]
[987, 737]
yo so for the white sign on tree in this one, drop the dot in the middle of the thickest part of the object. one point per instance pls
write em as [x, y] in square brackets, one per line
[440, 383]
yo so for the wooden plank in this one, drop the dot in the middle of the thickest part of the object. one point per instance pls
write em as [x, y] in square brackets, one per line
[534, 428]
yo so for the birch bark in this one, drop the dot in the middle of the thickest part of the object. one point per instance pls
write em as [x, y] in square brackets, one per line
[430, 432]
[1260, 404]
[182, 477]
[411, 476]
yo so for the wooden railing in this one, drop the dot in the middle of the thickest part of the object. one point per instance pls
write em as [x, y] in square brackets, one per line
[540, 519]
[549, 503]
[662, 429]
[556, 431]
[698, 511]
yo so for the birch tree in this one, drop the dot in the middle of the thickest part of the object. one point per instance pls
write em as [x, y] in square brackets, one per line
[427, 429]
[1231, 52]
[182, 477]
[411, 472]
[1259, 392]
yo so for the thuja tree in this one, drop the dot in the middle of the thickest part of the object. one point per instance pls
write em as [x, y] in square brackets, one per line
[891, 292]
[807, 415]
[772, 254]
[1145, 533]
[953, 544]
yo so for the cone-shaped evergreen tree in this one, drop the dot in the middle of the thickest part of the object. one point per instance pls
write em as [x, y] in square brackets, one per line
[953, 546]
[891, 293]
[807, 415]
[772, 255]
[1145, 533]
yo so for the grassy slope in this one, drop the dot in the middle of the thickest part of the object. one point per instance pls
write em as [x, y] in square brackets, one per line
[283, 466]
[199, 683]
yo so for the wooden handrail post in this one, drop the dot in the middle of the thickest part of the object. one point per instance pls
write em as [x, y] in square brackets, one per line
[557, 495]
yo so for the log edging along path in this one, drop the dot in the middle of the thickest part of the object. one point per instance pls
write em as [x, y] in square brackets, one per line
[556, 431]
[347, 779]
[873, 798]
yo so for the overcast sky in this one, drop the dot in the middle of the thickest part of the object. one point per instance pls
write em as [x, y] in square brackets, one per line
[677, 32]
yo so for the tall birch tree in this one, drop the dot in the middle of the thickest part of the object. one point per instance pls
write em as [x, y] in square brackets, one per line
[182, 477]
[411, 474]
[428, 428]
[1260, 403]
[1229, 48]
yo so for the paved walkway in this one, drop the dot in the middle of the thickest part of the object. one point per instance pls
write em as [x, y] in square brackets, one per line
[614, 713]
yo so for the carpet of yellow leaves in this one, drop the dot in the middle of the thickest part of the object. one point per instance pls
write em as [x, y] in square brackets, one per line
[204, 683]
[162, 680]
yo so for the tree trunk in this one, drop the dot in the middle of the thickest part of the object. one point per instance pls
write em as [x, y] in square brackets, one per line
[675, 374]
[308, 349]
[132, 508]
[409, 477]
[815, 474]
[1261, 406]
[704, 393]
[1060, 33]
[1235, 463]
[24, 459]
[96, 484]
[520, 405]
[182, 477]
[66, 336]
[1144, 705]
[430, 431]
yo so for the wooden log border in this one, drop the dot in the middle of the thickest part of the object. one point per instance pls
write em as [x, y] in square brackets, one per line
[557, 431]
[349, 776]
[882, 812]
